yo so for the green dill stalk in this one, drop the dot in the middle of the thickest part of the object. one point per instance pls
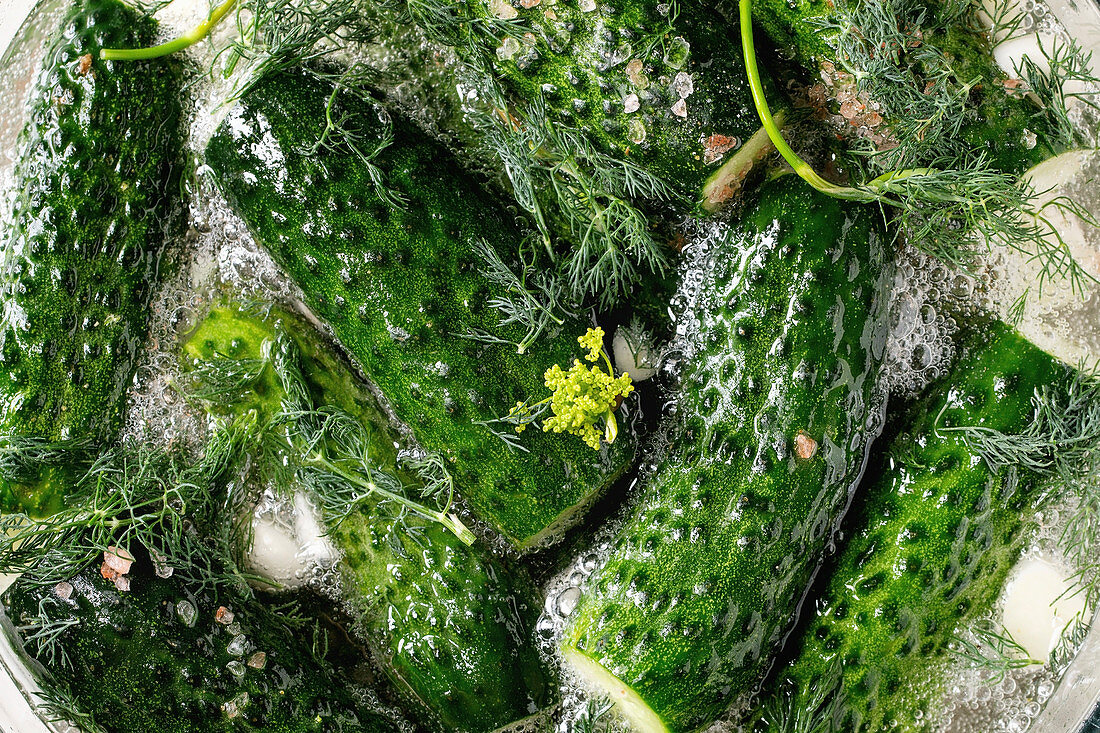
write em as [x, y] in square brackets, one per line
[196, 34]
[947, 197]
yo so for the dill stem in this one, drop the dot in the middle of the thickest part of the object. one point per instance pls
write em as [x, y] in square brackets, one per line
[196, 34]
[450, 521]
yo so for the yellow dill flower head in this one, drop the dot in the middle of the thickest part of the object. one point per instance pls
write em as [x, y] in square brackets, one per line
[584, 395]
[592, 341]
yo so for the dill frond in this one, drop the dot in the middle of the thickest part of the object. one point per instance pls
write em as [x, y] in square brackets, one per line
[595, 716]
[817, 709]
[343, 129]
[42, 634]
[533, 299]
[61, 707]
[134, 495]
[1067, 80]
[327, 452]
[561, 179]
[1060, 440]
[990, 647]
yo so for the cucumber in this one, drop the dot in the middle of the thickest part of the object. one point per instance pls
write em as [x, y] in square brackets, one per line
[931, 545]
[779, 400]
[448, 625]
[157, 658]
[658, 84]
[400, 287]
[96, 188]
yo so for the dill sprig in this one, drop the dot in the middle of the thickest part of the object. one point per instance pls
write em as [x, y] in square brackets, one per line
[58, 702]
[1061, 444]
[947, 198]
[134, 495]
[562, 179]
[25, 457]
[991, 647]
[42, 633]
[886, 47]
[819, 708]
[1073, 635]
[532, 299]
[1065, 80]
[444, 21]
[596, 714]
[326, 451]
[1061, 438]
[343, 127]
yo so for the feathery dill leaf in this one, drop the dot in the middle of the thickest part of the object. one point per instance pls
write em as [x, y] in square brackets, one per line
[1062, 436]
[595, 715]
[1063, 79]
[341, 127]
[328, 452]
[533, 299]
[23, 457]
[42, 634]
[819, 709]
[444, 21]
[133, 495]
[559, 176]
[991, 647]
[1062, 444]
[1003, 18]
[61, 707]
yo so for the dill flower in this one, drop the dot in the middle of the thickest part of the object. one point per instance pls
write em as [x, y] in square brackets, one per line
[586, 395]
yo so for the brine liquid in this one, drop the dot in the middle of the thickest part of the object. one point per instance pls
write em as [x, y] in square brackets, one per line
[217, 254]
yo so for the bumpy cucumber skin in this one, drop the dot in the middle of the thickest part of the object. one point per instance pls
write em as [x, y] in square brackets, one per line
[138, 667]
[449, 625]
[931, 544]
[997, 123]
[399, 286]
[96, 184]
[579, 66]
[709, 566]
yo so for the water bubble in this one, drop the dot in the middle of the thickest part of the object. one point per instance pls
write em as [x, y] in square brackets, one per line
[237, 646]
[567, 601]
[187, 613]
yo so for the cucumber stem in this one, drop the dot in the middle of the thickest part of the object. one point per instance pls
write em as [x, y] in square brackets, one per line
[196, 34]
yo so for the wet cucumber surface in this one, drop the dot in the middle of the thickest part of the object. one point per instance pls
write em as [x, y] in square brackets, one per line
[399, 286]
[450, 626]
[96, 190]
[777, 404]
[931, 541]
[156, 658]
[661, 85]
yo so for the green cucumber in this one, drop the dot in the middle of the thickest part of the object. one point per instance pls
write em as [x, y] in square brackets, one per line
[779, 400]
[96, 184]
[658, 84]
[449, 625]
[400, 287]
[932, 542]
[156, 658]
